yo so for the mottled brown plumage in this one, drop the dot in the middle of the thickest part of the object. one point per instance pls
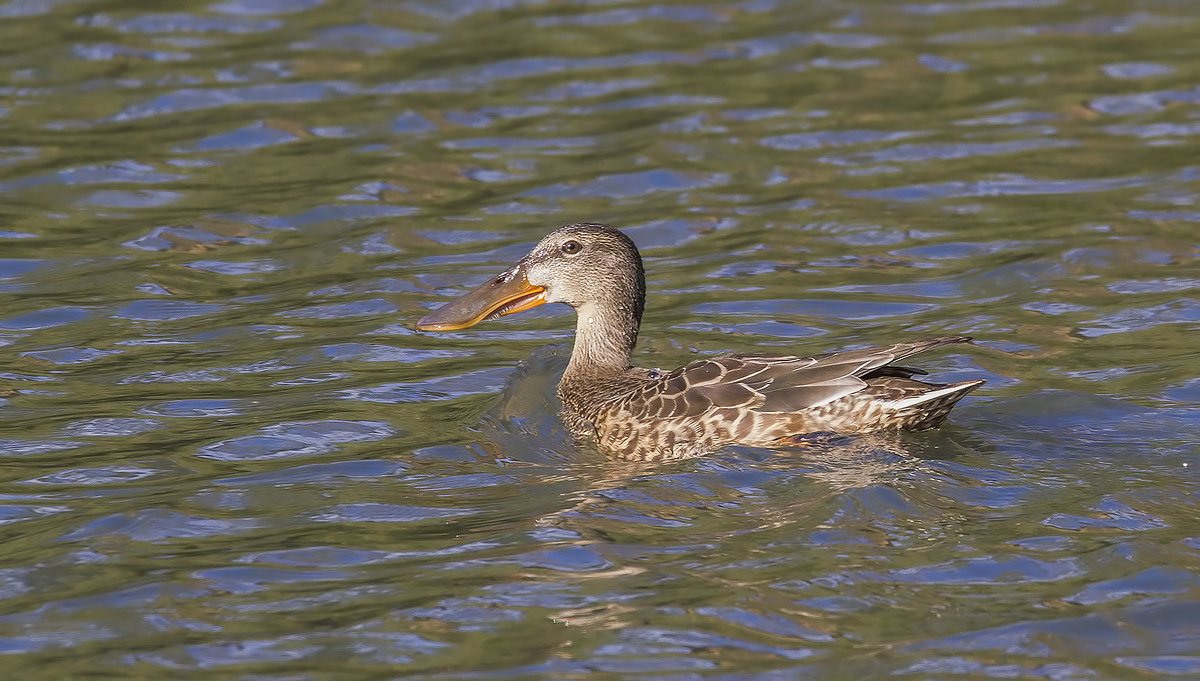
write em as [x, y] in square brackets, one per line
[751, 399]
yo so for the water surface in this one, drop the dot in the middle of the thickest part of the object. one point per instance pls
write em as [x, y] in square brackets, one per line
[227, 455]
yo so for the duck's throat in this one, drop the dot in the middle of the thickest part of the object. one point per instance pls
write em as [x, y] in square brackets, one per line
[604, 340]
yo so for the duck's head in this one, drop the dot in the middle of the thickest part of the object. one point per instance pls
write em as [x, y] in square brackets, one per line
[591, 267]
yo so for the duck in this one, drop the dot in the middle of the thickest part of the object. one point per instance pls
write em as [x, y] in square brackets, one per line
[752, 399]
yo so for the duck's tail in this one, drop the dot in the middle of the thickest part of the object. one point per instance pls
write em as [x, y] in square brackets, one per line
[915, 405]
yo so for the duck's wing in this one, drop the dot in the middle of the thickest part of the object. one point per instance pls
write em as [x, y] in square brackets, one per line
[770, 384]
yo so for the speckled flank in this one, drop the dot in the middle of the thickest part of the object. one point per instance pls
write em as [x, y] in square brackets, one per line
[757, 400]
[657, 438]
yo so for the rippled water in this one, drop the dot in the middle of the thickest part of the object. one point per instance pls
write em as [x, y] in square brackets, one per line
[227, 455]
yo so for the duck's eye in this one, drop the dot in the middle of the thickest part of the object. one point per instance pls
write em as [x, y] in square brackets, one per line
[571, 248]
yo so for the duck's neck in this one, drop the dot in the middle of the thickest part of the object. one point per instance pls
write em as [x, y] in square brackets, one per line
[604, 338]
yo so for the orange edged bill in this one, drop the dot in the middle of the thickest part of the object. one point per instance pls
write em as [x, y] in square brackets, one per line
[508, 293]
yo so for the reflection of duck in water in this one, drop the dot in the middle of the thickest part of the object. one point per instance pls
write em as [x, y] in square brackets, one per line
[751, 399]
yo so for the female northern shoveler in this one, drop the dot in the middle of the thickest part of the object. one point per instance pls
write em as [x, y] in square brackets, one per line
[752, 399]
